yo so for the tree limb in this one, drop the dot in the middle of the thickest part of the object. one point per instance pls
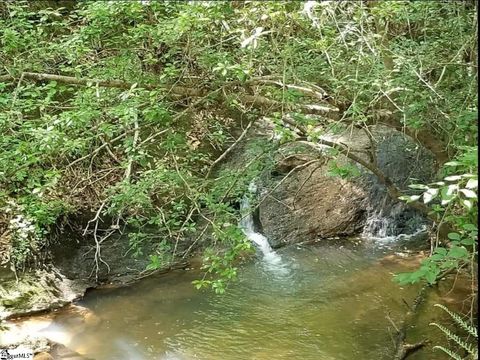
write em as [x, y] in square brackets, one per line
[264, 102]
[403, 350]
[392, 190]
[178, 90]
[422, 136]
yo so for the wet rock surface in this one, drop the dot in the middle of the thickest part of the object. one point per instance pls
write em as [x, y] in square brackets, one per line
[75, 258]
[40, 333]
[70, 273]
[308, 203]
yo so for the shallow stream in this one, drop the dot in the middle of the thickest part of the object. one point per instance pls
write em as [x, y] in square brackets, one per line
[317, 302]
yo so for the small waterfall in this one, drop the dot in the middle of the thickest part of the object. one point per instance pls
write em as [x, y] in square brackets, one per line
[248, 227]
[273, 260]
[382, 226]
[380, 223]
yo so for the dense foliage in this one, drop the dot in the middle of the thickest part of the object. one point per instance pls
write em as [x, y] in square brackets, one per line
[149, 92]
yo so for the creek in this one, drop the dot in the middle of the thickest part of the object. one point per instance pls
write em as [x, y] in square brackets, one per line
[318, 302]
[329, 301]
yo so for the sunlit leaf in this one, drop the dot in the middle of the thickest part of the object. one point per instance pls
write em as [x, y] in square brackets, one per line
[453, 163]
[418, 186]
[451, 189]
[469, 193]
[467, 203]
[453, 178]
[472, 184]
[429, 195]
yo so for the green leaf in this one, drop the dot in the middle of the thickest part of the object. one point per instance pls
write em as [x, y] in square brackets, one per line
[441, 250]
[468, 241]
[431, 277]
[469, 227]
[458, 252]
[454, 236]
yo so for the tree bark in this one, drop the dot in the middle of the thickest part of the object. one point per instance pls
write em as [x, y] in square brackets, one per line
[422, 136]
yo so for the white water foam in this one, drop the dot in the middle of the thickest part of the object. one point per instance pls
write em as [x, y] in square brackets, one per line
[272, 260]
[379, 228]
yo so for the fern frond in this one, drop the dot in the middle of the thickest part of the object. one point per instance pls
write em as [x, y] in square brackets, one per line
[448, 352]
[452, 336]
[462, 323]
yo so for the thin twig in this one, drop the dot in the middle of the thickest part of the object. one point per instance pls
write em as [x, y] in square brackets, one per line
[105, 144]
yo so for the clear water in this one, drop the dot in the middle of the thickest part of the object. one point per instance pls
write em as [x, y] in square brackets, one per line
[317, 303]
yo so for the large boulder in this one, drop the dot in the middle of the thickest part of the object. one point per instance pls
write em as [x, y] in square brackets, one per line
[308, 203]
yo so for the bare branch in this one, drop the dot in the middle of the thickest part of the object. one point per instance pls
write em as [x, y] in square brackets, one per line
[128, 171]
[178, 90]
[264, 102]
[317, 93]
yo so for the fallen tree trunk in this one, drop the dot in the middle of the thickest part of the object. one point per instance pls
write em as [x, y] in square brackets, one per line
[422, 136]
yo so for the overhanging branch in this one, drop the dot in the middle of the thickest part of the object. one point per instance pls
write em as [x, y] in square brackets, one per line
[422, 136]
[178, 90]
[392, 190]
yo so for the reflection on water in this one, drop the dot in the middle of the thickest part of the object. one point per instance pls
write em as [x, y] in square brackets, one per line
[327, 303]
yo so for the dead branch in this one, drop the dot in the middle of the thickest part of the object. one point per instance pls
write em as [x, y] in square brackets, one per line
[264, 102]
[239, 175]
[304, 182]
[424, 137]
[296, 168]
[97, 257]
[407, 349]
[318, 94]
[402, 349]
[178, 90]
[128, 171]
[97, 150]
[392, 190]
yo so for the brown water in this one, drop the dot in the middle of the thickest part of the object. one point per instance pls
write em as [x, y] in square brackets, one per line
[317, 303]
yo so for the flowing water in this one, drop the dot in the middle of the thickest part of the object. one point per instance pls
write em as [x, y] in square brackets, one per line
[327, 302]
[271, 260]
[333, 303]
